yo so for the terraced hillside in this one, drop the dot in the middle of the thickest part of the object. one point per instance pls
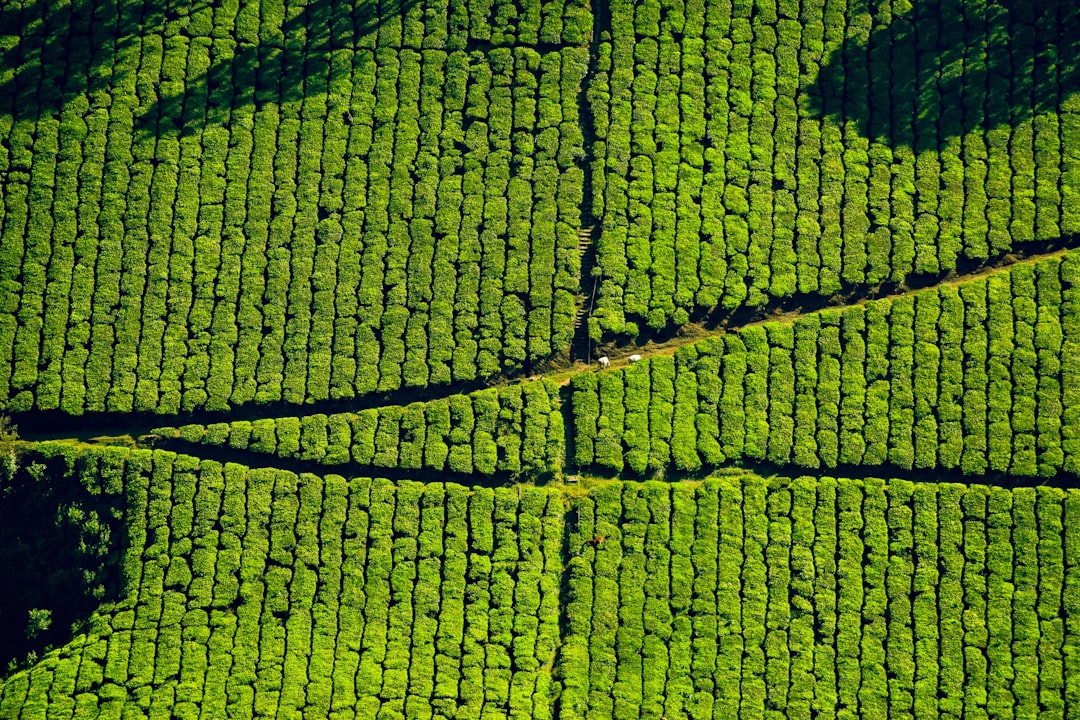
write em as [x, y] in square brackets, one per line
[217, 206]
[265, 593]
[302, 308]
[981, 376]
[756, 151]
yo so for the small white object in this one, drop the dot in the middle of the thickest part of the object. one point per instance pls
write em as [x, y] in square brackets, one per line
[604, 362]
[633, 358]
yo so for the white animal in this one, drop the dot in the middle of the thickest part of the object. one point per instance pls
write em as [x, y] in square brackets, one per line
[604, 362]
[633, 359]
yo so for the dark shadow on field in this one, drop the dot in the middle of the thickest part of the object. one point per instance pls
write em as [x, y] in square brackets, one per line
[60, 545]
[38, 425]
[254, 460]
[290, 66]
[52, 53]
[949, 67]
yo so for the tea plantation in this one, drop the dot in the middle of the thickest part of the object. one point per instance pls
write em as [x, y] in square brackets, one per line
[569, 360]
[266, 593]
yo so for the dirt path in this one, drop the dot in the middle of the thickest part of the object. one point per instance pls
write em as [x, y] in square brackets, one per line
[618, 356]
[119, 430]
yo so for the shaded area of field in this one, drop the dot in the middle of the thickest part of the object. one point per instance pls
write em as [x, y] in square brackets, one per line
[950, 67]
[57, 52]
[286, 69]
[60, 539]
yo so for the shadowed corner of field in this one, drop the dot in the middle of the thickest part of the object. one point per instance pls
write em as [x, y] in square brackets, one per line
[60, 549]
[52, 53]
[949, 67]
[290, 66]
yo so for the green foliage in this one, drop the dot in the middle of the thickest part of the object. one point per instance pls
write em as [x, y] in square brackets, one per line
[267, 205]
[9, 449]
[219, 242]
[937, 379]
[516, 429]
[40, 621]
[806, 593]
[751, 152]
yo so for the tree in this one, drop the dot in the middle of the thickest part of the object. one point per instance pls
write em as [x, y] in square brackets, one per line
[9, 448]
[40, 621]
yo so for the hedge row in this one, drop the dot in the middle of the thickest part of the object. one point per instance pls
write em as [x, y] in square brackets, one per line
[457, 24]
[749, 151]
[746, 597]
[189, 234]
[260, 592]
[982, 376]
[515, 429]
